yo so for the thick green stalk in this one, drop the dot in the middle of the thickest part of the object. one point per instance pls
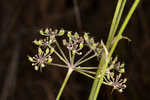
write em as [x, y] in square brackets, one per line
[70, 70]
[119, 36]
[110, 38]
[115, 22]
[105, 60]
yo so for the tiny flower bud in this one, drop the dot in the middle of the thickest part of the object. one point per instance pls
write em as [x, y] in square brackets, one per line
[92, 40]
[61, 32]
[122, 70]
[125, 80]
[120, 90]
[99, 51]
[39, 43]
[36, 68]
[47, 50]
[49, 60]
[80, 53]
[76, 35]
[52, 50]
[64, 41]
[30, 59]
[85, 36]
[81, 45]
[41, 32]
[39, 51]
[46, 30]
[124, 86]
[122, 65]
[69, 34]
[42, 65]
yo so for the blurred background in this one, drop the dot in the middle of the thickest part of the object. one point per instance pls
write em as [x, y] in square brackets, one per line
[21, 21]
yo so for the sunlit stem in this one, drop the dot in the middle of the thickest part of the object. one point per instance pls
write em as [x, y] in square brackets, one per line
[106, 83]
[70, 70]
[70, 57]
[61, 51]
[106, 80]
[90, 72]
[73, 58]
[86, 54]
[115, 22]
[58, 65]
[104, 62]
[86, 67]
[60, 57]
[81, 72]
[85, 60]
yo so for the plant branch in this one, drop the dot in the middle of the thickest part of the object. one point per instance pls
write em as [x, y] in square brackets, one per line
[90, 72]
[86, 54]
[115, 22]
[87, 67]
[73, 58]
[70, 70]
[85, 60]
[61, 51]
[58, 65]
[104, 61]
[60, 57]
[81, 72]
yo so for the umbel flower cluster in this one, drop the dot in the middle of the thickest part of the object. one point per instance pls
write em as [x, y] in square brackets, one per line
[76, 51]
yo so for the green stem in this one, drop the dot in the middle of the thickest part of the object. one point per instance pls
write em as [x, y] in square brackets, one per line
[81, 72]
[119, 36]
[89, 72]
[61, 51]
[70, 56]
[87, 68]
[73, 57]
[58, 65]
[115, 22]
[60, 57]
[85, 60]
[86, 54]
[70, 70]
[104, 61]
